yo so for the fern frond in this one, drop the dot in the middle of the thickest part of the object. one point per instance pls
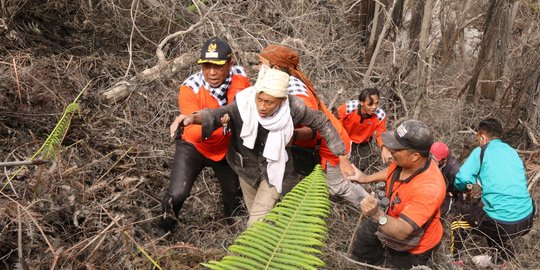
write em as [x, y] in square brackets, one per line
[51, 146]
[290, 236]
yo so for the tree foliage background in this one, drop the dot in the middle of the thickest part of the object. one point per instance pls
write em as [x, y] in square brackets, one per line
[449, 63]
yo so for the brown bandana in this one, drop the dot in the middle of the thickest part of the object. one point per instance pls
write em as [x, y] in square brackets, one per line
[286, 58]
[281, 56]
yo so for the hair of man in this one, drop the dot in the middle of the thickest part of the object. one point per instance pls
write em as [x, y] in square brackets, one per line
[490, 127]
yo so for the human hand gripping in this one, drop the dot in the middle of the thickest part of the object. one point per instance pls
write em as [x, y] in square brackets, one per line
[180, 121]
[345, 166]
[369, 206]
[386, 156]
[225, 119]
[358, 176]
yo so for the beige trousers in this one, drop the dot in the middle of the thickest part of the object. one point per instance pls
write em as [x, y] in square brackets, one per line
[340, 186]
[259, 200]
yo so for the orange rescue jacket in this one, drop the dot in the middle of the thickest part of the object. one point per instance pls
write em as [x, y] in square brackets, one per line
[193, 96]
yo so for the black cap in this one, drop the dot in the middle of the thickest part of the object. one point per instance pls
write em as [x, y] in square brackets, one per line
[215, 51]
[411, 134]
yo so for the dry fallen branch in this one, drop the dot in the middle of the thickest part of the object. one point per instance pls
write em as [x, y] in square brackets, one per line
[162, 70]
[24, 162]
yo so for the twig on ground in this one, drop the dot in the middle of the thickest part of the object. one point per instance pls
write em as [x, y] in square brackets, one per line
[353, 236]
[17, 80]
[24, 162]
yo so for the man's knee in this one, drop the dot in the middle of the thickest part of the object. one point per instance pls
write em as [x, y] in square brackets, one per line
[175, 197]
[337, 188]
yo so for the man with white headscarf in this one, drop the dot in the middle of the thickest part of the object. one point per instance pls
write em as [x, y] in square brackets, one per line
[262, 119]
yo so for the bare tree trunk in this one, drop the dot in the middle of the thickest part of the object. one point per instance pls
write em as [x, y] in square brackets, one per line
[374, 25]
[375, 29]
[421, 65]
[416, 24]
[496, 51]
[378, 45]
[452, 17]
[492, 50]
[397, 15]
[367, 10]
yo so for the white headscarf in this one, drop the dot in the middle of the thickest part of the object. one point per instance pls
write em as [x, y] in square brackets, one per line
[280, 125]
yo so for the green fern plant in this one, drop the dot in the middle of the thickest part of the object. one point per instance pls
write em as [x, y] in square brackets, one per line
[290, 236]
[51, 146]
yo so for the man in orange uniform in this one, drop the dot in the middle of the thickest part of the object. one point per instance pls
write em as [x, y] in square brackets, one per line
[287, 60]
[410, 227]
[361, 119]
[214, 86]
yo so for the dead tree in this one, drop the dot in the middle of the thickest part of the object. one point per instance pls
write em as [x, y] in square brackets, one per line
[416, 24]
[492, 57]
[422, 66]
[453, 18]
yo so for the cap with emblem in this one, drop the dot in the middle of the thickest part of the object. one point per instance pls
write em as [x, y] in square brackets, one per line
[215, 51]
[411, 134]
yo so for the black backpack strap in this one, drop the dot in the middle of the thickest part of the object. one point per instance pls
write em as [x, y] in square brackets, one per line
[482, 152]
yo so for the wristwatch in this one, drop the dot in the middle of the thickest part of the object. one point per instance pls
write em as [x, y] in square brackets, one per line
[382, 220]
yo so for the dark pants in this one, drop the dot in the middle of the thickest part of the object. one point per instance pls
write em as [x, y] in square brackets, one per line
[187, 165]
[368, 249]
[362, 155]
[498, 234]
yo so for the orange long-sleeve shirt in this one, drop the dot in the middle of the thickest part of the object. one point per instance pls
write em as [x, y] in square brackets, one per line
[299, 89]
[359, 130]
[194, 96]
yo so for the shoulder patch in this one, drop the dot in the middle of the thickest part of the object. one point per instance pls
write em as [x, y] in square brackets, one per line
[238, 70]
[380, 114]
[194, 82]
[297, 87]
[352, 105]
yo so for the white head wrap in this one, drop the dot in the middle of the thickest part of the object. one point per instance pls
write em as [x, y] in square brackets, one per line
[273, 82]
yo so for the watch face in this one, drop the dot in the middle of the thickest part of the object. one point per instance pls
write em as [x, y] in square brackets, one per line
[383, 220]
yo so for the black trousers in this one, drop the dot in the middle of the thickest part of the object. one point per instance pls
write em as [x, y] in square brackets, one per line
[498, 234]
[368, 249]
[362, 155]
[188, 163]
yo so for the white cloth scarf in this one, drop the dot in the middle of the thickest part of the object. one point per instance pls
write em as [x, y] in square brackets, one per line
[280, 127]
